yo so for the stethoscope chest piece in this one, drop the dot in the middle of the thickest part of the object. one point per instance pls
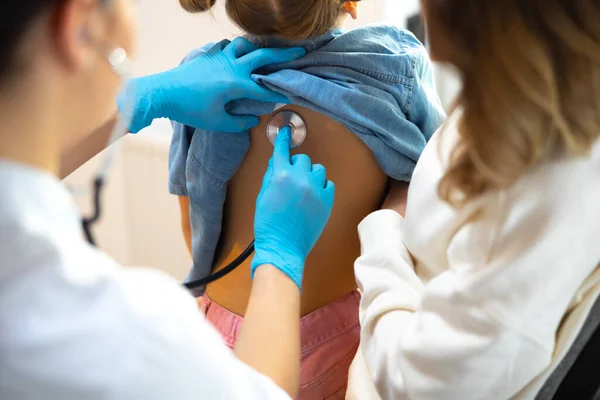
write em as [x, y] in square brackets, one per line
[283, 119]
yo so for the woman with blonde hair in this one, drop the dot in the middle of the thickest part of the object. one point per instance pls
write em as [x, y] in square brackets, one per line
[471, 295]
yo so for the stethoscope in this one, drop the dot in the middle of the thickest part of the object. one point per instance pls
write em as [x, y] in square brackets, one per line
[121, 65]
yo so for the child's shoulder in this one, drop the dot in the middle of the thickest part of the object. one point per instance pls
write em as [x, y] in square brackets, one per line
[383, 38]
[384, 49]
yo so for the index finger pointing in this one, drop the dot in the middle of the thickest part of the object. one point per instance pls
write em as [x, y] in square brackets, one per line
[281, 154]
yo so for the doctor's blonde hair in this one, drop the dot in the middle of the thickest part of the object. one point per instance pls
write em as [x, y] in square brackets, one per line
[292, 19]
[531, 86]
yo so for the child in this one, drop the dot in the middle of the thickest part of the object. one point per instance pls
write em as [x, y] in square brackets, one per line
[369, 103]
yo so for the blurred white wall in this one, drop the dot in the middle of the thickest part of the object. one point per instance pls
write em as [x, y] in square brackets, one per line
[141, 220]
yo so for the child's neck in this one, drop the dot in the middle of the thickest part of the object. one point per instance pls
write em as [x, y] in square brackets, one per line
[342, 19]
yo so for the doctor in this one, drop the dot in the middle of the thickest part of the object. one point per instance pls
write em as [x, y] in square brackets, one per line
[73, 323]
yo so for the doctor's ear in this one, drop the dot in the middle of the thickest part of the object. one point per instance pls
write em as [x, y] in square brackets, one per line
[78, 24]
[351, 7]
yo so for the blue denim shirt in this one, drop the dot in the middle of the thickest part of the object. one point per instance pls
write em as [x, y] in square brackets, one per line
[377, 81]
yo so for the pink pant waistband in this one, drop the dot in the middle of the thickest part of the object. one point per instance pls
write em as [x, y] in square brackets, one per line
[316, 328]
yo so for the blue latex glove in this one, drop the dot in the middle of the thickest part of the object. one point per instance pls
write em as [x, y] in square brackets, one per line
[196, 92]
[292, 210]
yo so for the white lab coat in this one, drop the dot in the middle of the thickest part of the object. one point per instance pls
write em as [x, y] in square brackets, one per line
[75, 325]
[466, 304]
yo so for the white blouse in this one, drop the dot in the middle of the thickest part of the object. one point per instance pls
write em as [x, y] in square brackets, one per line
[455, 308]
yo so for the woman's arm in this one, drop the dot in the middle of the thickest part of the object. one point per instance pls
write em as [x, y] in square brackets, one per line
[442, 340]
[486, 326]
[165, 95]
[292, 210]
[80, 153]
[269, 340]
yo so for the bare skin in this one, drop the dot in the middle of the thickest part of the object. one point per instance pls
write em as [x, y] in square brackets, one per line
[360, 188]
[77, 154]
[397, 197]
[186, 227]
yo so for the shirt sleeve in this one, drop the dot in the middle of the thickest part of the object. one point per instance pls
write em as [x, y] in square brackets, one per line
[83, 327]
[182, 138]
[176, 354]
[425, 108]
[483, 328]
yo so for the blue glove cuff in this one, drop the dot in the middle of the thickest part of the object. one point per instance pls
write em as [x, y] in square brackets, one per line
[138, 102]
[290, 266]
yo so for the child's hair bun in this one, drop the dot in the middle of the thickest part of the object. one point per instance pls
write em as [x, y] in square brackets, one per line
[197, 5]
[291, 19]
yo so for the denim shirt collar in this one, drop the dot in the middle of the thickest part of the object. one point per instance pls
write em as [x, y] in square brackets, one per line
[309, 45]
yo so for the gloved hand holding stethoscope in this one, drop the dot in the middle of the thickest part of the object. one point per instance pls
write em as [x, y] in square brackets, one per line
[292, 210]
